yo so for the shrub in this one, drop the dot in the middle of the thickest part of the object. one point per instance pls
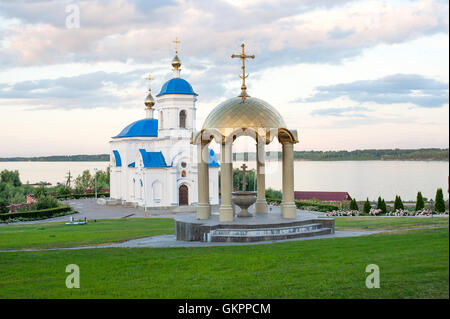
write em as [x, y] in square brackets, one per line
[37, 214]
[354, 205]
[439, 204]
[45, 202]
[420, 204]
[3, 206]
[398, 204]
[63, 190]
[271, 193]
[342, 213]
[374, 212]
[366, 208]
[40, 191]
[315, 205]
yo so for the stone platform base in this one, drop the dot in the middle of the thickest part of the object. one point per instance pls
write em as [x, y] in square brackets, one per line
[262, 227]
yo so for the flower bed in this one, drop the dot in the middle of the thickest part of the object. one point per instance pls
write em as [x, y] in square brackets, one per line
[336, 213]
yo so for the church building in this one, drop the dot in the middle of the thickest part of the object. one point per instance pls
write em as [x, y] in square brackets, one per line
[152, 160]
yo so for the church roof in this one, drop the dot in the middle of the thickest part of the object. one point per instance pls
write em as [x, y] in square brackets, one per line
[141, 128]
[153, 159]
[177, 86]
[117, 158]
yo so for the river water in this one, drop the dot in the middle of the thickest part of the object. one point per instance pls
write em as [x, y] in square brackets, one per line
[360, 179]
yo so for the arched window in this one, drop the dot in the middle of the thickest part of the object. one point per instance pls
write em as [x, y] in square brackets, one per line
[183, 173]
[183, 119]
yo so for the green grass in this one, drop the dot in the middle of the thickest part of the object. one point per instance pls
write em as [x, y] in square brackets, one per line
[413, 264]
[375, 223]
[51, 235]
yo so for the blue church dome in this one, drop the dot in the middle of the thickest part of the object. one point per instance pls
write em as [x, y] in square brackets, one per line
[141, 128]
[177, 86]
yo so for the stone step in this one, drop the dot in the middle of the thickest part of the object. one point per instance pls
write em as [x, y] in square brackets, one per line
[266, 234]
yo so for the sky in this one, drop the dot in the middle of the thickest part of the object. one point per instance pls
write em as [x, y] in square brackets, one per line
[346, 74]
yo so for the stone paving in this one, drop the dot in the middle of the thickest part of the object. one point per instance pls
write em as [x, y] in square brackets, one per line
[89, 208]
[166, 241]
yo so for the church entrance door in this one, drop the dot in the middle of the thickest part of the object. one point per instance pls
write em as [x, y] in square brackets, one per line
[183, 195]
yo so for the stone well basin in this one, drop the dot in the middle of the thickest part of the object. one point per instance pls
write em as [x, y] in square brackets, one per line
[244, 200]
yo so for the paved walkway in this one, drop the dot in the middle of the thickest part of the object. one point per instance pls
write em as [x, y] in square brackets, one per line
[165, 241]
[89, 209]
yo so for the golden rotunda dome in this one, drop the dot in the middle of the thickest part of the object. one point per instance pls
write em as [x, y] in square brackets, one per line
[237, 113]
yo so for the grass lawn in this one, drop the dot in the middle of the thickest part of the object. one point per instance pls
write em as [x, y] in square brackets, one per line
[413, 264]
[374, 223]
[51, 235]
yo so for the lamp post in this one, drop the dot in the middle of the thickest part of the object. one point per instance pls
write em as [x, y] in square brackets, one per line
[95, 186]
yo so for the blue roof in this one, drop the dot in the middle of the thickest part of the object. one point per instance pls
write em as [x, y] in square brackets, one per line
[177, 86]
[212, 161]
[153, 159]
[144, 127]
[117, 158]
[132, 164]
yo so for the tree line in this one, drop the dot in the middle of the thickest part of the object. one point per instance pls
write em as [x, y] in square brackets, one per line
[357, 155]
[436, 154]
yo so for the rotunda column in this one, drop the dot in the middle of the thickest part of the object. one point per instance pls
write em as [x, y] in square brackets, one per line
[226, 210]
[288, 208]
[261, 204]
[203, 206]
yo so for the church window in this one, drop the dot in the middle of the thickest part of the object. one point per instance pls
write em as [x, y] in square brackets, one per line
[183, 164]
[157, 190]
[183, 173]
[183, 119]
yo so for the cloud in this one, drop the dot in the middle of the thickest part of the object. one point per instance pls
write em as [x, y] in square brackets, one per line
[398, 88]
[338, 33]
[297, 31]
[352, 111]
[97, 89]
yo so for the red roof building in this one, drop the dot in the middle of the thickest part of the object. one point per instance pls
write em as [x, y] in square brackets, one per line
[322, 196]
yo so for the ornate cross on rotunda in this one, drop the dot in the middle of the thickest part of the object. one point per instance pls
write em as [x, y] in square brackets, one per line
[176, 44]
[244, 181]
[243, 56]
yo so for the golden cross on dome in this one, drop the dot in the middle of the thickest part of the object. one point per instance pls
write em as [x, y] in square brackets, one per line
[176, 44]
[243, 56]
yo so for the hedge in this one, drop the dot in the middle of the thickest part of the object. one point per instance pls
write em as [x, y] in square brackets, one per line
[49, 212]
[319, 206]
[76, 196]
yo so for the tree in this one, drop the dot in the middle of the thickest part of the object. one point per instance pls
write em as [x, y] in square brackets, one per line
[40, 191]
[10, 177]
[353, 205]
[420, 203]
[84, 181]
[398, 204]
[439, 204]
[383, 207]
[379, 202]
[4, 206]
[366, 208]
